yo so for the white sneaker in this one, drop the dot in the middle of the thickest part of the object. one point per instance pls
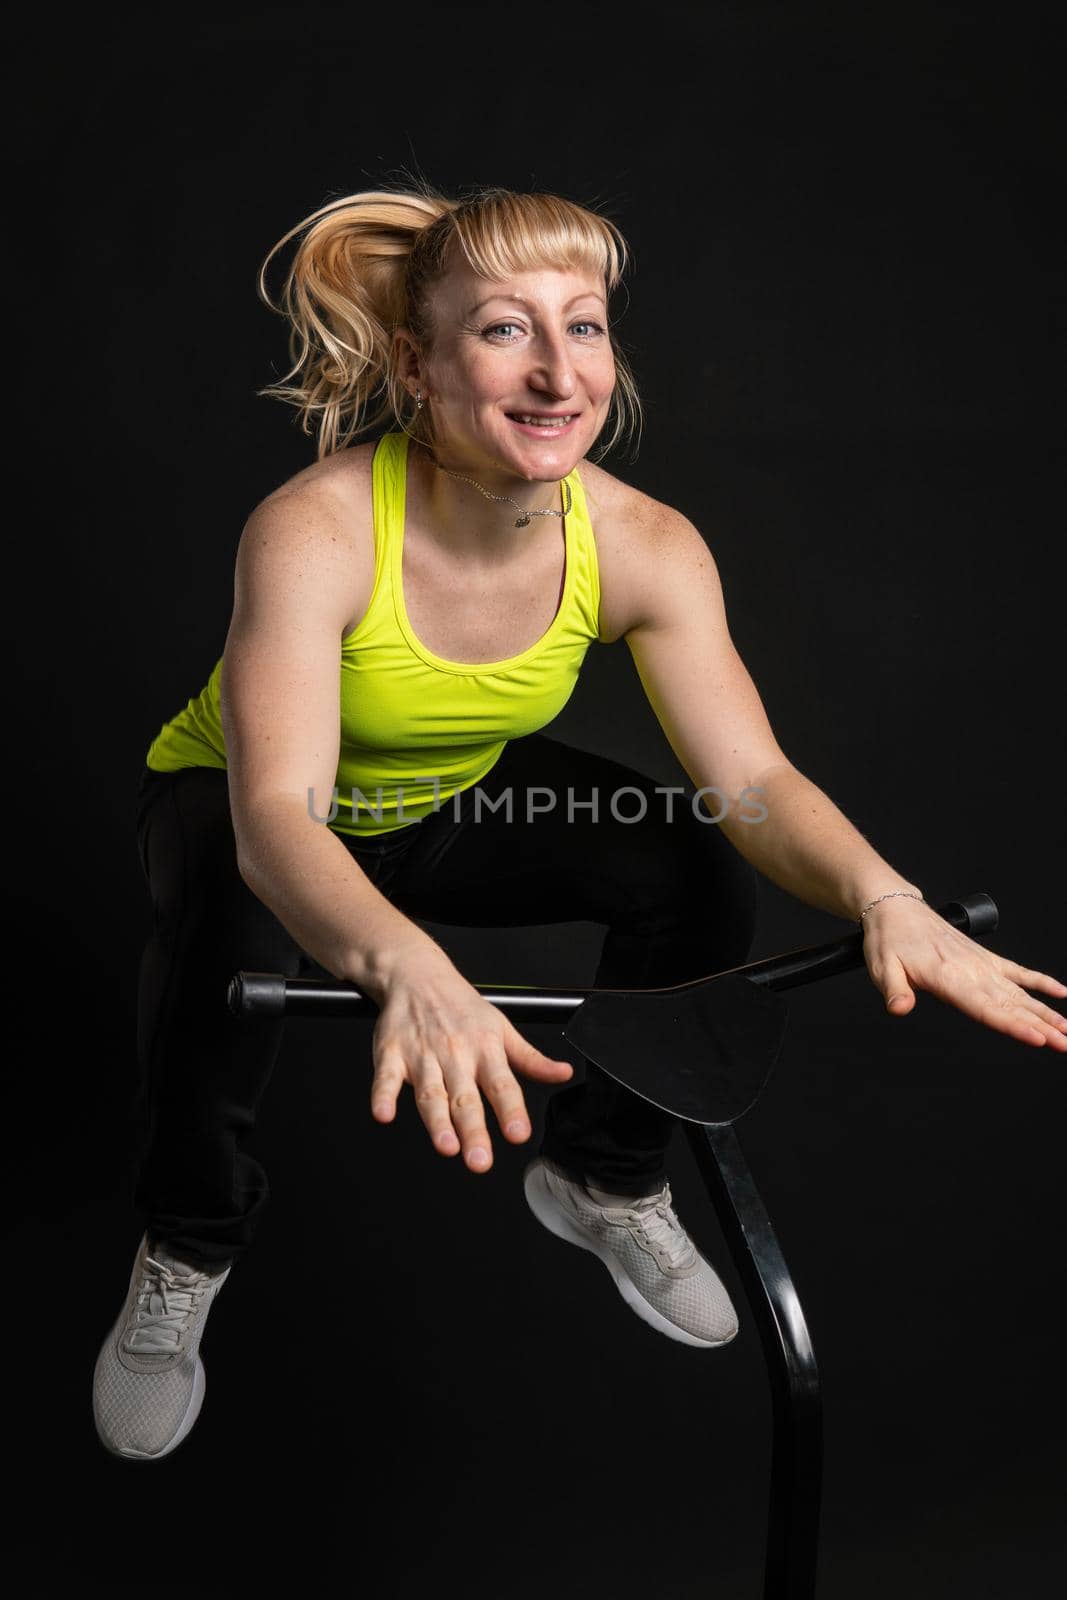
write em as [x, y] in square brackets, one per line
[656, 1267]
[148, 1384]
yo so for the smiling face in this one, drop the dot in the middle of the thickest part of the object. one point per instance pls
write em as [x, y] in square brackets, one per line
[519, 374]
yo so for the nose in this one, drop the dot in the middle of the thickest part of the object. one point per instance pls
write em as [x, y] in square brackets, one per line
[552, 370]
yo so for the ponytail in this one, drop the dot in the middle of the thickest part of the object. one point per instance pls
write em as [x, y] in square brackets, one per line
[343, 297]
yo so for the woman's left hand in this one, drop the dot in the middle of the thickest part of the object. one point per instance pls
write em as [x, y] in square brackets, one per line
[907, 946]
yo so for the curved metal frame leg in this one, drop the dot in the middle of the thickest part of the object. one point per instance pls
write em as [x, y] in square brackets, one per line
[796, 1447]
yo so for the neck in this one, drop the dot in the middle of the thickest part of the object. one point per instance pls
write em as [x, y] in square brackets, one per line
[464, 522]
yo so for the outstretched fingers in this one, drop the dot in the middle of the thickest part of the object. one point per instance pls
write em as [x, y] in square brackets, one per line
[1043, 1021]
[1015, 1012]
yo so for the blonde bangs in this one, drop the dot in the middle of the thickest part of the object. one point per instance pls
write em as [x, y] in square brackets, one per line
[502, 233]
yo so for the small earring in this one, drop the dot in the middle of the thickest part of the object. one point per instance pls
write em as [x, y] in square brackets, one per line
[418, 398]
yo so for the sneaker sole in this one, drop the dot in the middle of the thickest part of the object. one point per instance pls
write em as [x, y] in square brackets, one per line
[184, 1428]
[546, 1208]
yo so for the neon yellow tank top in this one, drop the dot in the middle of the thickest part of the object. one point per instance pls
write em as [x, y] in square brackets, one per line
[409, 717]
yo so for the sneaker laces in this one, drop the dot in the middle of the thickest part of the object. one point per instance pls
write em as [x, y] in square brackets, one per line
[655, 1216]
[165, 1300]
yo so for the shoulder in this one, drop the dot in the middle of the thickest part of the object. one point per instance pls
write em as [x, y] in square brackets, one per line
[318, 528]
[343, 478]
[644, 546]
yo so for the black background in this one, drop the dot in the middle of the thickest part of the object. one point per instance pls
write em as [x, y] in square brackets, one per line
[845, 316]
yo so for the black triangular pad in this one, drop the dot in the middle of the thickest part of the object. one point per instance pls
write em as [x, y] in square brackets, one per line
[701, 1051]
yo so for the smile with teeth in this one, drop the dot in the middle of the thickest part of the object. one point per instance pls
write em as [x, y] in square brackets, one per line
[532, 420]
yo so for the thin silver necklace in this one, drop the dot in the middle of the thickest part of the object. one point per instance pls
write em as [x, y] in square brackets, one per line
[523, 518]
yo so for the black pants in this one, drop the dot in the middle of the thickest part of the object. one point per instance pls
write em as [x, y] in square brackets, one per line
[677, 899]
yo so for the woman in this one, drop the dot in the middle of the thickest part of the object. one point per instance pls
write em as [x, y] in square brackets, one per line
[408, 615]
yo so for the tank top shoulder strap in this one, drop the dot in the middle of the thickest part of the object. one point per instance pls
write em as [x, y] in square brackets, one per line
[388, 488]
[586, 587]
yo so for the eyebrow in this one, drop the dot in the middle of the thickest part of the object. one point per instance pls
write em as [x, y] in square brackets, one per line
[587, 294]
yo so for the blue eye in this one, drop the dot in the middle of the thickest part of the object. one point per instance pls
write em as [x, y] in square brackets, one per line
[594, 327]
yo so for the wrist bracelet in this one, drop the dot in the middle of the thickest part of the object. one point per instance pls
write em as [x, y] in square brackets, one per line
[905, 893]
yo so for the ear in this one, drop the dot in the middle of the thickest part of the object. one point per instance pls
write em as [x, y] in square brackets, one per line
[408, 361]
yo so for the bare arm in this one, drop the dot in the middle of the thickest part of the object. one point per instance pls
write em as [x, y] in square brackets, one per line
[281, 721]
[280, 705]
[713, 717]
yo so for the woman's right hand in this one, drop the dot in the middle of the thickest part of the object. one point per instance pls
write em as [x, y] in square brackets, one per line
[436, 1032]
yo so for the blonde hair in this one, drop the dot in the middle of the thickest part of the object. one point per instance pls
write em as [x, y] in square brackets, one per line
[364, 267]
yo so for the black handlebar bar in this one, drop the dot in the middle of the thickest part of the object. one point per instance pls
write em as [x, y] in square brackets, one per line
[271, 994]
